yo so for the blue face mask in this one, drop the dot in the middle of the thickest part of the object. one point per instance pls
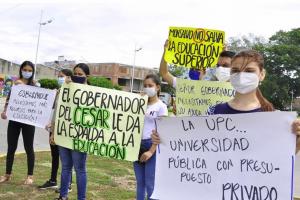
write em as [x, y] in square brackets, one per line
[78, 79]
[61, 80]
[194, 74]
[26, 75]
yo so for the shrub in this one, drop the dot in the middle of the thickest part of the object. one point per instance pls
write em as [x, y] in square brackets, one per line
[49, 83]
[103, 82]
[94, 81]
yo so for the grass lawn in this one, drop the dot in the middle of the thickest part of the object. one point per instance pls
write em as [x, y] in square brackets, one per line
[107, 179]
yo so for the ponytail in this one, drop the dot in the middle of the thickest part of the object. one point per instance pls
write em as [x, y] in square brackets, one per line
[266, 106]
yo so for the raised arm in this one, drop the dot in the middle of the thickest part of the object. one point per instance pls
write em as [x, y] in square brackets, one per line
[163, 69]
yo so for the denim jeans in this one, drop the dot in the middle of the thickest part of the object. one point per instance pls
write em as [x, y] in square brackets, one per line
[70, 158]
[145, 174]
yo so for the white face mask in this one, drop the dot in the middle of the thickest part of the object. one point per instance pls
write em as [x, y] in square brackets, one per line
[61, 80]
[26, 75]
[150, 91]
[223, 73]
[244, 82]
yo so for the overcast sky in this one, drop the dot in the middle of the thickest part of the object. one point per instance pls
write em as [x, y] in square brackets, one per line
[107, 30]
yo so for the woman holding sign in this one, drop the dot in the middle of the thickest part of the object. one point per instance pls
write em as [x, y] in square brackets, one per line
[14, 128]
[70, 158]
[247, 71]
[145, 168]
[52, 182]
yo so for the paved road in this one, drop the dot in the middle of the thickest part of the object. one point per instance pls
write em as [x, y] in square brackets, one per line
[41, 143]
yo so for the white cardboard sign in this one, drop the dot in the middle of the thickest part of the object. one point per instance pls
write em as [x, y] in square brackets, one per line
[31, 105]
[226, 157]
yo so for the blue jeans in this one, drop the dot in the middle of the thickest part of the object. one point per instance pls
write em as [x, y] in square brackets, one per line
[145, 174]
[70, 158]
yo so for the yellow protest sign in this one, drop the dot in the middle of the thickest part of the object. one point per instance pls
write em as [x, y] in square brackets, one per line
[193, 98]
[100, 121]
[196, 48]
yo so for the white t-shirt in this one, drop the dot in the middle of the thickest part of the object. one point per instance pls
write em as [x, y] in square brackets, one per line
[153, 111]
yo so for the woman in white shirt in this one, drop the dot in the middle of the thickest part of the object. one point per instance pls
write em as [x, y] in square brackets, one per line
[145, 168]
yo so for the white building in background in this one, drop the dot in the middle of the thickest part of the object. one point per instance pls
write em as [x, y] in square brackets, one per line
[61, 63]
[8, 68]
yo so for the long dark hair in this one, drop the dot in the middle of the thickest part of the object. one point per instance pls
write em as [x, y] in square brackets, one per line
[155, 78]
[85, 68]
[30, 64]
[67, 72]
[253, 56]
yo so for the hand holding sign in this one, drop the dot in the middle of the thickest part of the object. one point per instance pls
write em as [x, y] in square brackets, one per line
[146, 156]
[3, 115]
[296, 127]
[51, 139]
[155, 137]
[296, 130]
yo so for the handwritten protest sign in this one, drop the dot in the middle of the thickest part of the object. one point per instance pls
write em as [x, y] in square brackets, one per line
[193, 98]
[100, 121]
[31, 105]
[226, 157]
[196, 48]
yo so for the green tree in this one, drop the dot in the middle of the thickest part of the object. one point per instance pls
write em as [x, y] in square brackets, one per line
[249, 41]
[177, 72]
[95, 81]
[49, 83]
[282, 63]
[103, 82]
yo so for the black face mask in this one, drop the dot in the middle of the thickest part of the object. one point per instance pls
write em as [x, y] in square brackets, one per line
[78, 79]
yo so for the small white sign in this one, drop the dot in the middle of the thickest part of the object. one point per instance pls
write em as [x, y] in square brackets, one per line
[31, 105]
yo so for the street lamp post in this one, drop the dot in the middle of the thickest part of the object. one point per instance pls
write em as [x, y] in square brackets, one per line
[132, 72]
[38, 42]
